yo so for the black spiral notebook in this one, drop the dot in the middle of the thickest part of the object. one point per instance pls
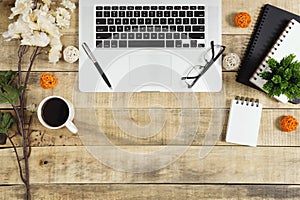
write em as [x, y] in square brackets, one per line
[270, 24]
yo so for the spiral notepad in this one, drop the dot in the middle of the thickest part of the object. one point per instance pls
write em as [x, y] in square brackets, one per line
[284, 46]
[244, 121]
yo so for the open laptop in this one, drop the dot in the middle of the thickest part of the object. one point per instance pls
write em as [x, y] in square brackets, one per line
[148, 45]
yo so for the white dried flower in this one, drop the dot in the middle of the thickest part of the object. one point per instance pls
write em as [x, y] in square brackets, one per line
[63, 18]
[69, 5]
[17, 29]
[31, 108]
[39, 39]
[21, 7]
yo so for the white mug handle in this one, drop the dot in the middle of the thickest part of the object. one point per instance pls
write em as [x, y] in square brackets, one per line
[71, 127]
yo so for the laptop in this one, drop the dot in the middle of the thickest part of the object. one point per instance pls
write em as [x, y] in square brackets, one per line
[148, 45]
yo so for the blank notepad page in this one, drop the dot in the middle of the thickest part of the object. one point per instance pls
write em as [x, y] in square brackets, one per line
[243, 122]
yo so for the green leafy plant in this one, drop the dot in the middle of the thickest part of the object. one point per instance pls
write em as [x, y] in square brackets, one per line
[6, 121]
[284, 77]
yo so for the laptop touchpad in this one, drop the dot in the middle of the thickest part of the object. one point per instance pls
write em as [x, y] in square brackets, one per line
[150, 69]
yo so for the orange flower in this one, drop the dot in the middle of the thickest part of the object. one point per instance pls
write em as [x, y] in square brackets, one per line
[48, 81]
[289, 123]
[242, 20]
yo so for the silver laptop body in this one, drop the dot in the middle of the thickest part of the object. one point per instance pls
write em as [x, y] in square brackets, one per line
[134, 66]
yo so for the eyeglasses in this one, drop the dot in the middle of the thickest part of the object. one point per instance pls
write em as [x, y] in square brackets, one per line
[198, 70]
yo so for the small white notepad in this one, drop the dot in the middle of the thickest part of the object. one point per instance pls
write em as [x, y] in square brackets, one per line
[244, 121]
[284, 46]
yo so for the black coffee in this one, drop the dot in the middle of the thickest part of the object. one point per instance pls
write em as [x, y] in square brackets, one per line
[55, 112]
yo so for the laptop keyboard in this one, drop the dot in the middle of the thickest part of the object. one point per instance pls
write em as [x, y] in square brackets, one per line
[161, 26]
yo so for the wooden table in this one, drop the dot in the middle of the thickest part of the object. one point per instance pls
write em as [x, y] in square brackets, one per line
[62, 168]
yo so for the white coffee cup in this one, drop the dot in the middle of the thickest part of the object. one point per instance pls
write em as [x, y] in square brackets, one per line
[55, 112]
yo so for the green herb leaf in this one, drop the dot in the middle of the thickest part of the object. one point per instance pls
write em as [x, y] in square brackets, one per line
[276, 79]
[7, 121]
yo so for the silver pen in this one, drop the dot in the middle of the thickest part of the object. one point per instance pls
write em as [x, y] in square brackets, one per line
[95, 62]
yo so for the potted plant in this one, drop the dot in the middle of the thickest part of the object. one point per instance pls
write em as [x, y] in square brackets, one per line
[283, 77]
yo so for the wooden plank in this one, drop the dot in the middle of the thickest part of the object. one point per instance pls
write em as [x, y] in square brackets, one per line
[68, 84]
[227, 165]
[164, 132]
[153, 192]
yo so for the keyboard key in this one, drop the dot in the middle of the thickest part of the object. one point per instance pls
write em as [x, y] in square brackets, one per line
[201, 7]
[186, 45]
[178, 20]
[99, 14]
[139, 36]
[137, 14]
[114, 14]
[165, 29]
[135, 28]
[146, 36]
[178, 43]
[142, 28]
[129, 14]
[151, 13]
[112, 29]
[177, 7]
[101, 28]
[146, 43]
[157, 28]
[185, 7]
[172, 28]
[199, 13]
[169, 7]
[148, 21]
[125, 21]
[176, 36]
[186, 21]
[106, 7]
[201, 21]
[115, 8]
[132, 21]
[123, 36]
[99, 43]
[127, 28]
[116, 36]
[196, 35]
[170, 21]
[110, 21]
[120, 29]
[141, 21]
[138, 7]
[187, 28]
[163, 21]
[201, 45]
[193, 43]
[121, 13]
[181, 13]
[144, 14]
[161, 36]
[153, 35]
[130, 7]
[169, 43]
[155, 20]
[167, 14]
[106, 14]
[193, 7]
[174, 14]
[179, 28]
[130, 35]
[114, 43]
[150, 28]
[198, 28]
[100, 21]
[122, 43]
[184, 36]
[146, 7]
[118, 21]
[169, 36]
[193, 21]
[159, 13]
[103, 35]
[99, 7]
[106, 44]
[122, 7]
[189, 13]
[153, 7]
[162, 7]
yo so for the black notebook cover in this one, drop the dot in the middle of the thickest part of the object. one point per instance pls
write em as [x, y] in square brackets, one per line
[270, 24]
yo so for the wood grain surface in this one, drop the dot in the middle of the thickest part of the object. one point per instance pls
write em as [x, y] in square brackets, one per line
[62, 167]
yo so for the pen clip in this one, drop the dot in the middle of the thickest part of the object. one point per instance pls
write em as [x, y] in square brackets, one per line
[88, 52]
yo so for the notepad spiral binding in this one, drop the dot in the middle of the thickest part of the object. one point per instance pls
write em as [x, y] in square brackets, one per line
[247, 101]
[255, 35]
[274, 48]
